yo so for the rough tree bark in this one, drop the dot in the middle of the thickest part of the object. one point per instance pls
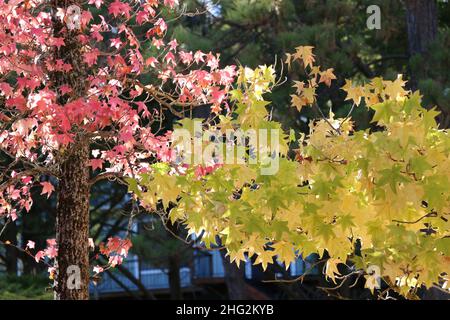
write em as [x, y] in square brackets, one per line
[72, 224]
[73, 191]
[422, 24]
[421, 18]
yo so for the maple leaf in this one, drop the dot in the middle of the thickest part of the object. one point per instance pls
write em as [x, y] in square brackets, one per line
[285, 252]
[353, 93]
[96, 164]
[264, 258]
[299, 87]
[151, 61]
[163, 187]
[90, 57]
[298, 102]
[217, 95]
[115, 42]
[429, 117]
[186, 57]
[65, 89]
[58, 42]
[327, 76]
[51, 252]
[395, 90]
[309, 94]
[315, 70]
[161, 24]
[199, 56]
[51, 242]
[304, 53]
[237, 256]
[346, 222]
[142, 16]
[173, 44]
[331, 269]
[30, 244]
[39, 255]
[117, 8]
[47, 188]
[6, 89]
[383, 112]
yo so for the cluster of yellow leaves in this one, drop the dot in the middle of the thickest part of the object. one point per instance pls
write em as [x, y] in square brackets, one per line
[376, 91]
[306, 91]
[367, 198]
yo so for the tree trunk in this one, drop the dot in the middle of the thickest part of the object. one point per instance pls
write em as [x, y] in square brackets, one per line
[235, 279]
[174, 278]
[422, 21]
[72, 209]
[422, 24]
[72, 224]
[174, 267]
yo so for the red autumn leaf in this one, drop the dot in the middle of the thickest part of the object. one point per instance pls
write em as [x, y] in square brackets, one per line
[96, 164]
[47, 188]
[117, 8]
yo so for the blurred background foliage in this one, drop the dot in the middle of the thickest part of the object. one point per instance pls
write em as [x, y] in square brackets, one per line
[254, 32]
[25, 288]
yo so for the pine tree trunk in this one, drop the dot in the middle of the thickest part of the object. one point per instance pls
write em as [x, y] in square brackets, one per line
[422, 24]
[422, 20]
[72, 225]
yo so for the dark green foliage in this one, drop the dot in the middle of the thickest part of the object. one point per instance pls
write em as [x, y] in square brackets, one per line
[254, 32]
[25, 287]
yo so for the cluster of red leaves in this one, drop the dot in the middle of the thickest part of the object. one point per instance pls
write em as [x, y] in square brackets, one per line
[114, 109]
[36, 126]
[116, 250]
[50, 252]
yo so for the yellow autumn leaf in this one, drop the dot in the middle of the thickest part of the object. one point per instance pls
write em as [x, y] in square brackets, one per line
[395, 89]
[264, 258]
[285, 252]
[327, 76]
[305, 54]
[298, 102]
[331, 269]
[353, 93]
